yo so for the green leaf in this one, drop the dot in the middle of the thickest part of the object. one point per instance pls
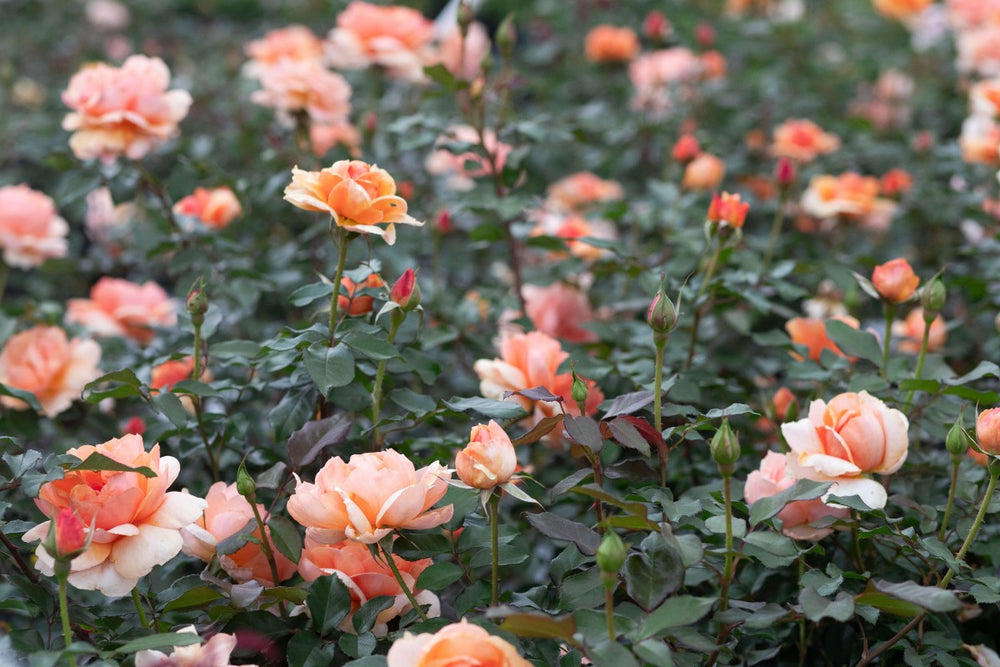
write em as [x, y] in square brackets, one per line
[556, 527]
[655, 573]
[194, 598]
[371, 346]
[627, 435]
[803, 489]
[306, 294]
[888, 604]
[654, 652]
[487, 407]
[771, 549]
[168, 405]
[285, 537]
[306, 649]
[584, 431]
[122, 383]
[365, 617]
[611, 653]
[439, 576]
[675, 612]
[25, 396]
[854, 342]
[411, 401]
[329, 366]
[291, 413]
[733, 410]
[931, 598]
[816, 607]
[232, 349]
[357, 646]
[539, 626]
[158, 641]
[305, 444]
[98, 461]
[329, 602]
[368, 661]
[544, 426]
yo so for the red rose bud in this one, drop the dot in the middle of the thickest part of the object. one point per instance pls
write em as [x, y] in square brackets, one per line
[68, 536]
[134, 425]
[728, 209]
[406, 292]
[784, 173]
[371, 123]
[444, 224]
[656, 27]
[704, 34]
[686, 149]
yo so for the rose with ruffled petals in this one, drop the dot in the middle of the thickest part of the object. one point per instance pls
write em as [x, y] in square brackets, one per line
[370, 496]
[489, 459]
[842, 440]
[559, 310]
[30, 229]
[774, 477]
[395, 37]
[117, 307]
[137, 522]
[457, 644]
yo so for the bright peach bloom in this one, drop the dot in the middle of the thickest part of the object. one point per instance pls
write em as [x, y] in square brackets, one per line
[216, 208]
[900, 9]
[292, 86]
[70, 534]
[895, 280]
[42, 361]
[811, 332]
[802, 140]
[137, 521]
[850, 195]
[783, 399]
[575, 229]
[980, 140]
[841, 440]
[659, 75]
[581, 189]
[964, 14]
[476, 44]
[685, 149]
[295, 42]
[979, 50]
[457, 644]
[461, 168]
[774, 477]
[123, 110]
[728, 209]
[117, 307]
[988, 431]
[705, 172]
[608, 43]
[559, 310]
[984, 98]
[324, 136]
[910, 332]
[713, 65]
[370, 496]
[895, 182]
[531, 360]
[31, 230]
[366, 578]
[359, 196]
[354, 303]
[227, 513]
[394, 37]
[489, 459]
[213, 653]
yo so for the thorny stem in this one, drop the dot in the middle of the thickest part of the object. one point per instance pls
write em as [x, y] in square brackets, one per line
[340, 238]
[951, 500]
[137, 601]
[920, 363]
[377, 437]
[402, 584]
[494, 518]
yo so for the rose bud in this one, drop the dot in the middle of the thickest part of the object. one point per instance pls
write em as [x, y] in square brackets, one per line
[988, 431]
[405, 291]
[895, 280]
[489, 459]
[725, 447]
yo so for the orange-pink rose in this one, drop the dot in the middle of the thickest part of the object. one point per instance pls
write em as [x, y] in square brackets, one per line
[705, 172]
[849, 195]
[457, 644]
[988, 431]
[117, 307]
[215, 207]
[41, 360]
[460, 169]
[294, 42]
[213, 653]
[811, 332]
[395, 37]
[464, 57]
[559, 310]
[774, 477]
[227, 513]
[123, 110]
[658, 74]
[359, 196]
[370, 496]
[291, 86]
[574, 229]
[366, 578]
[910, 332]
[900, 9]
[842, 440]
[137, 522]
[802, 140]
[608, 43]
[324, 136]
[895, 280]
[31, 230]
[581, 189]
[980, 140]
[489, 459]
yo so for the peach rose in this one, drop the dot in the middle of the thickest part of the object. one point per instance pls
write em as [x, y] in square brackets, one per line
[559, 310]
[366, 578]
[370, 496]
[227, 513]
[979, 50]
[460, 643]
[136, 521]
[713, 65]
[841, 440]
[802, 140]
[123, 110]
[30, 229]
[964, 14]
[461, 168]
[656, 76]
[324, 136]
[984, 98]
[575, 229]
[468, 65]
[608, 43]
[782, 400]
[581, 189]
[895, 182]
[359, 196]
[395, 37]
[910, 332]
[107, 222]
[705, 172]
[42, 361]
[895, 280]
[980, 140]
[811, 332]
[728, 209]
[774, 477]
[358, 304]
[291, 86]
[294, 42]
[900, 10]
[850, 195]
[117, 307]
[489, 459]
[213, 653]
[988, 431]
[216, 208]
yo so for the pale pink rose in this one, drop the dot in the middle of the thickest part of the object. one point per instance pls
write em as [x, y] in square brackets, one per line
[324, 136]
[581, 189]
[842, 440]
[457, 644]
[394, 37]
[106, 221]
[910, 332]
[774, 477]
[137, 522]
[370, 496]
[965, 14]
[461, 168]
[227, 513]
[979, 50]
[213, 653]
[215, 207]
[489, 459]
[659, 75]
[476, 44]
[366, 578]
[291, 86]
[295, 42]
[107, 15]
[123, 110]
[980, 140]
[848, 195]
[559, 310]
[31, 230]
[42, 361]
[117, 307]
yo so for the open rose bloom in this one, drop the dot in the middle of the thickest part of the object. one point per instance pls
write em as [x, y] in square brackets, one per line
[291, 86]
[30, 229]
[123, 110]
[802, 141]
[213, 653]
[366, 578]
[43, 361]
[294, 42]
[774, 477]
[559, 310]
[840, 441]
[137, 522]
[811, 332]
[457, 644]
[394, 37]
[215, 207]
[117, 307]
[370, 496]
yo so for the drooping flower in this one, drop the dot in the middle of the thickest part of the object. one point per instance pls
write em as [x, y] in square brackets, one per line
[31, 230]
[117, 307]
[137, 522]
[457, 644]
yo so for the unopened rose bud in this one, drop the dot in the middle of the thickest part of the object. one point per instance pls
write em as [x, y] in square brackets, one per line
[67, 536]
[489, 459]
[134, 425]
[783, 399]
[371, 122]
[895, 280]
[245, 485]
[728, 209]
[704, 34]
[662, 315]
[988, 431]
[406, 291]
[784, 173]
[197, 302]
[506, 37]
[579, 391]
[958, 441]
[932, 298]
[686, 149]
[466, 15]
[725, 447]
[656, 27]
[444, 224]
[611, 557]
